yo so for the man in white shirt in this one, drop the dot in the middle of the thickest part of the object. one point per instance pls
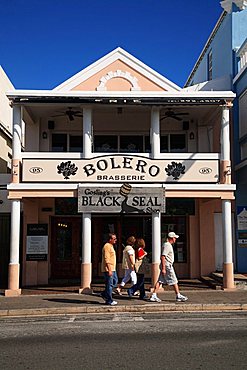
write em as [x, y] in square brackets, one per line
[167, 273]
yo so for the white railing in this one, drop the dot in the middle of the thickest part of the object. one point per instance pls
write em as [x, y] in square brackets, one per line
[76, 155]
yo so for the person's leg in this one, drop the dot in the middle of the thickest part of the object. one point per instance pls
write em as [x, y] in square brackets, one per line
[133, 277]
[124, 281]
[161, 280]
[154, 297]
[157, 287]
[135, 287]
[115, 279]
[107, 294]
[172, 280]
[176, 289]
[141, 279]
[126, 277]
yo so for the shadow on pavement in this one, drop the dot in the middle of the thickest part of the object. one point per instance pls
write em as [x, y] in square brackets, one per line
[71, 301]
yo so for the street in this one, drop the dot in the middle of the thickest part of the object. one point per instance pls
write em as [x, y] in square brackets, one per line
[125, 341]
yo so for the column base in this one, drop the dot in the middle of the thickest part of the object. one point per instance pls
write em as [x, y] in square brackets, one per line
[12, 292]
[228, 277]
[155, 272]
[13, 279]
[86, 278]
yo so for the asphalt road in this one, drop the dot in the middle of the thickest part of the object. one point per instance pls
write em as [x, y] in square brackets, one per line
[125, 341]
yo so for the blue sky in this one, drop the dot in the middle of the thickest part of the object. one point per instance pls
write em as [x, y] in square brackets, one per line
[44, 42]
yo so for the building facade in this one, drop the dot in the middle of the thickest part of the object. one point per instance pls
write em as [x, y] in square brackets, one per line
[119, 148]
[222, 66]
[5, 174]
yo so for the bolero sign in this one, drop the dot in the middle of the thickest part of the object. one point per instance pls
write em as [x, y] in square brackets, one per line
[124, 199]
[120, 168]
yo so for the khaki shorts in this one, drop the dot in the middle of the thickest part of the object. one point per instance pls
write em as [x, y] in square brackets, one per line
[169, 278]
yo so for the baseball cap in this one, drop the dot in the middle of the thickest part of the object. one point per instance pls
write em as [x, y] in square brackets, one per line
[173, 235]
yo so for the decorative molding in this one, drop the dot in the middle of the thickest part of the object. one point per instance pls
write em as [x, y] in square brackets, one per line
[118, 73]
[125, 57]
[227, 4]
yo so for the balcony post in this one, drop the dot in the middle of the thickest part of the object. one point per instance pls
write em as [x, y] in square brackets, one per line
[86, 263]
[225, 163]
[155, 132]
[87, 132]
[156, 217]
[16, 144]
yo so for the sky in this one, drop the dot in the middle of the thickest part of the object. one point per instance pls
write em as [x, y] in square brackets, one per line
[45, 42]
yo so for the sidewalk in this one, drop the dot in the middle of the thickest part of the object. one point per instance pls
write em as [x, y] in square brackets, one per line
[74, 303]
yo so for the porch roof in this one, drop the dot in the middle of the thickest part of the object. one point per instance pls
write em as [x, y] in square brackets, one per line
[24, 97]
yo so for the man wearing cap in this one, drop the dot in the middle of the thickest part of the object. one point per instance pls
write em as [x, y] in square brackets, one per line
[167, 273]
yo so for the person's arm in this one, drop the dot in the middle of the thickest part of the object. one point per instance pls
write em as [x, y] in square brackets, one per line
[141, 257]
[108, 261]
[141, 254]
[163, 265]
[132, 261]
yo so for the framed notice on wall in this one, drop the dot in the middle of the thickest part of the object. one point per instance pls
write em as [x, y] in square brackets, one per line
[37, 242]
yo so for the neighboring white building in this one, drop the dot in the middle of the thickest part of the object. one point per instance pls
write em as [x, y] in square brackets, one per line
[222, 65]
[5, 170]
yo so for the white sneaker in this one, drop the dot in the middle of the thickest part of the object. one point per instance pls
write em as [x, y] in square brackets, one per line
[113, 303]
[181, 298]
[154, 298]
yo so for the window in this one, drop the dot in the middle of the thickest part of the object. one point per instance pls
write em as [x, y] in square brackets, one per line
[173, 143]
[76, 143]
[122, 144]
[105, 143]
[67, 143]
[147, 144]
[177, 224]
[177, 143]
[59, 142]
[131, 144]
[164, 144]
[210, 65]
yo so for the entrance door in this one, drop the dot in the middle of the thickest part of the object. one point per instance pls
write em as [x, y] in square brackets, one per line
[123, 226]
[66, 248]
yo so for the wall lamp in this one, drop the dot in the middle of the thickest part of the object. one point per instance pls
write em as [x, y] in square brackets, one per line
[192, 136]
[44, 135]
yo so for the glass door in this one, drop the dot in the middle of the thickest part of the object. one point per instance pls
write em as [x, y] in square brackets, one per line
[65, 248]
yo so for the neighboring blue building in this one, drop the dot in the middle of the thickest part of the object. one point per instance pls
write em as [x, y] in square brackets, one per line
[222, 65]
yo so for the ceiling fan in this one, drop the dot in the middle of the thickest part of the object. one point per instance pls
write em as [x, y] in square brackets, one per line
[70, 113]
[171, 114]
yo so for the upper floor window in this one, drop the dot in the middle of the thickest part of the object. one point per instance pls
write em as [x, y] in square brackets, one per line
[122, 143]
[66, 143]
[173, 143]
[210, 65]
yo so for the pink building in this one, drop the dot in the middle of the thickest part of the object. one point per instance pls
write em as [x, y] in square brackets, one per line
[119, 148]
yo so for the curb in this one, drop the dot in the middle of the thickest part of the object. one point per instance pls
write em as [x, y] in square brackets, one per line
[155, 308]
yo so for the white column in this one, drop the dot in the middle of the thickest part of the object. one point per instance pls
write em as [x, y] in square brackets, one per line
[86, 238]
[155, 132]
[156, 217]
[228, 276]
[156, 245]
[86, 264]
[225, 163]
[14, 266]
[87, 132]
[225, 134]
[16, 143]
[17, 124]
[15, 231]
